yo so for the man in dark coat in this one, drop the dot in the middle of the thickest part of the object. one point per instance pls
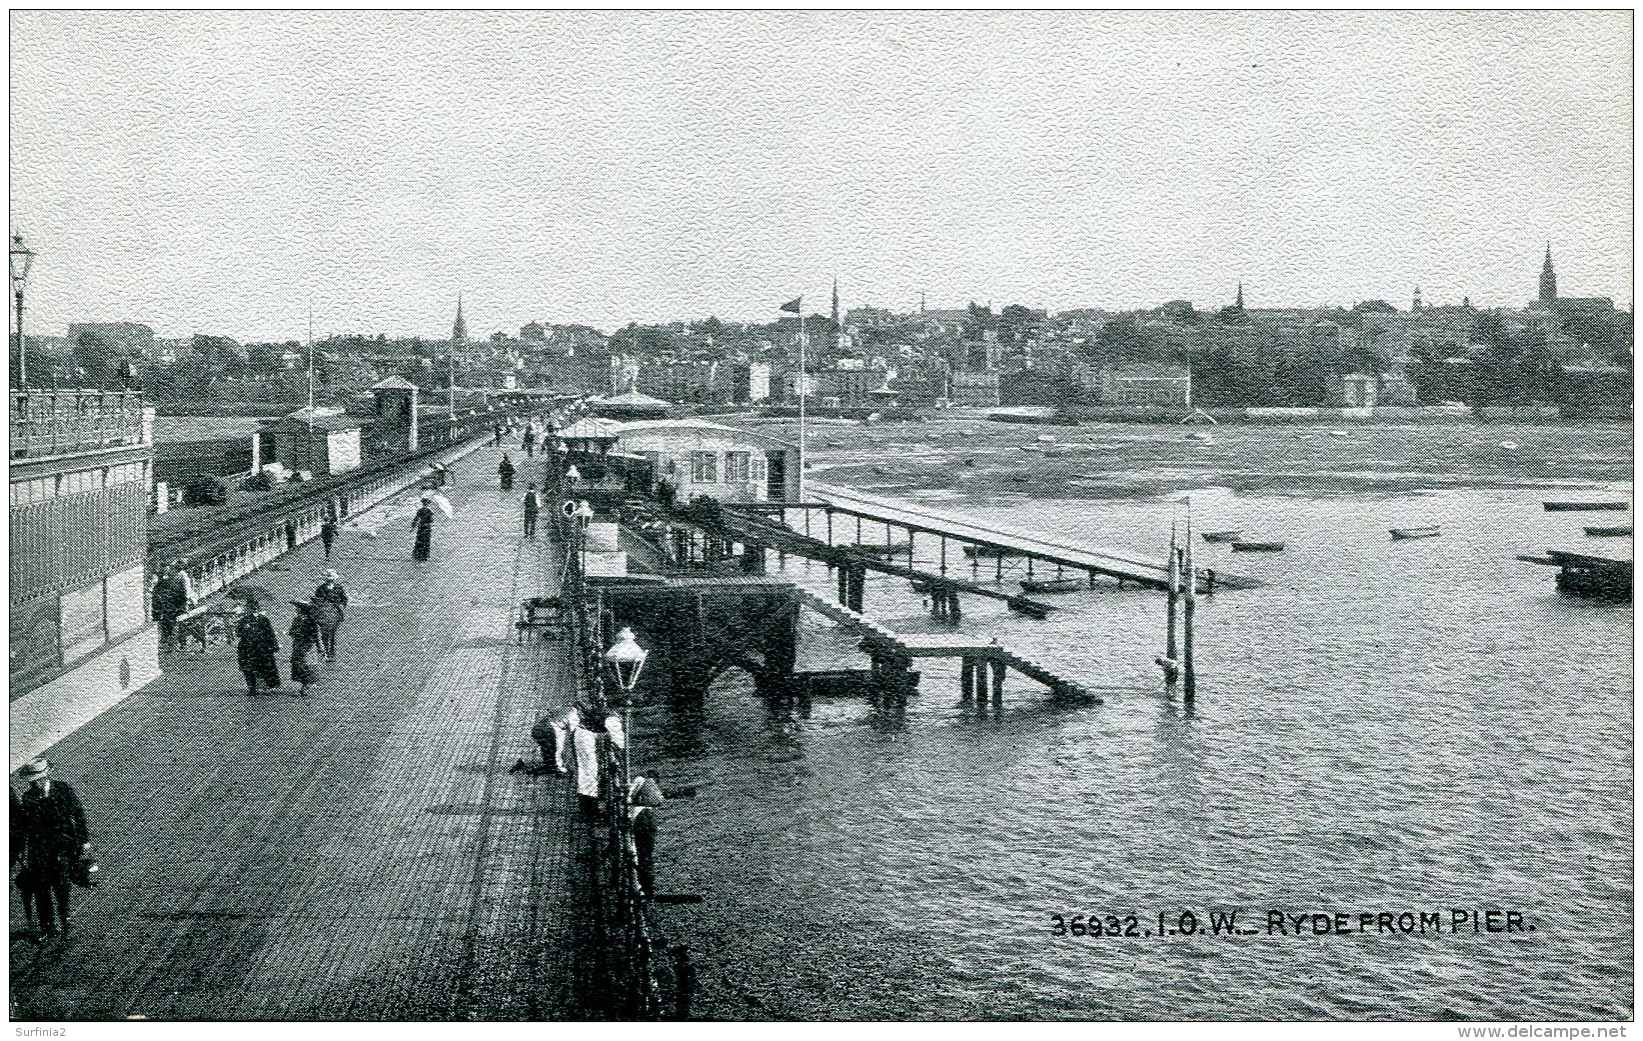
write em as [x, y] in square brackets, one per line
[258, 648]
[528, 442]
[505, 471]
[423, 525]
[533, 505]
[170, 601]
[54, 838]
[330, 602]
[328, 535]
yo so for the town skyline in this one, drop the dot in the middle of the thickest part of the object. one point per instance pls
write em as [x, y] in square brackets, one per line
[214, 171]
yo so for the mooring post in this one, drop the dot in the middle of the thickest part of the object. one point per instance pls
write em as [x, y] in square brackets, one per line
[806, 510]
[858, 529]
[1190, 683]
[944, 554]
[1000, 559]
[829, 512]
[1029, 567]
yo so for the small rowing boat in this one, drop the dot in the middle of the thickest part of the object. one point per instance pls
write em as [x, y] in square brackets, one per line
[1424, 531]
[1575, 507]
[881, 549]
[1051, 585]
[1609, 531]
[1223, 536]
[1240, 546]
[989, 552]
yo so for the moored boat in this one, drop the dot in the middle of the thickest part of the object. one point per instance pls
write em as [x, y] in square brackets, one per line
[1051, 585]
[1608, 531]
[1423, 531]
[880, 549]
[1242, 546]
[1223, 536]
[1574, 507]
[989, 552]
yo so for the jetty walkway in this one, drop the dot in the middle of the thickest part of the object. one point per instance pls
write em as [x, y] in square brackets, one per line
[362, 853]
[997, 543]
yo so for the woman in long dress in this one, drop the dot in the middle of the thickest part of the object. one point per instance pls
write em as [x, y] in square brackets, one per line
[305, 643]
[423, 525]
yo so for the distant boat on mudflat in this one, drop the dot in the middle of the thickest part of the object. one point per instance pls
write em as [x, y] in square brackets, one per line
[1223, 536]
[1240, 546]
[1608, 531]
[1051, 585]
[1424, 531]
[1576, 507]
[989, 552]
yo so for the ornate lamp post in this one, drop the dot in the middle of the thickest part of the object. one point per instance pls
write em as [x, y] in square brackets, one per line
[20, 259]
[626, 660]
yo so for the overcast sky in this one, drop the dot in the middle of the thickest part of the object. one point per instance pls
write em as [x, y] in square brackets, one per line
[212, 171]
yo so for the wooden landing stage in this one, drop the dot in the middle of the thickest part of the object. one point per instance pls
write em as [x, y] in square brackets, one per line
[979, 658]
[997, 545]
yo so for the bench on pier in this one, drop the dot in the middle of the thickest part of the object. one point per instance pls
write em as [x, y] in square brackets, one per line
[206, 624]
[544, 615]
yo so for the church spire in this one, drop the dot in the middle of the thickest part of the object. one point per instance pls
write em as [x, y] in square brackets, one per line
[835, 302]
[1239, 303]
[459, 328]
[1548, 279]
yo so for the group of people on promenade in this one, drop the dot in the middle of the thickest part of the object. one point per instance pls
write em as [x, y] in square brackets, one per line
[313, 631]
[50, 848]
[576, 739]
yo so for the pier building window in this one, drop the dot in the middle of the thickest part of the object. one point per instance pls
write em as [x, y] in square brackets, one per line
[704, 467]
[738, 467]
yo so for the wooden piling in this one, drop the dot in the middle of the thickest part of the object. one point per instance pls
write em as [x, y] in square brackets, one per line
[1190, 681]
[998, 683]
[966, 671]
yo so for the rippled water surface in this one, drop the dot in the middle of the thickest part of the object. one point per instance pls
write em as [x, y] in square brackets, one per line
[1382, 726]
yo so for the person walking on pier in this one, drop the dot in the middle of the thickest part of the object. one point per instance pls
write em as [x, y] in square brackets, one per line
[528, 442]
[423, 525]
[170, 599]
[644, 796]
[305, 643]
[533, 506]
[330, 603]
[496, 434]
[328, 533]
[258, 649]
[505, 471]
[54, 839]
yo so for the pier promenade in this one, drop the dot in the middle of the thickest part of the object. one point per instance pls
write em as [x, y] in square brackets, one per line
[362, 853]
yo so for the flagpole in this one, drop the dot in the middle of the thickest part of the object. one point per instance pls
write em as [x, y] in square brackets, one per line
[308, 446]
[801, 399]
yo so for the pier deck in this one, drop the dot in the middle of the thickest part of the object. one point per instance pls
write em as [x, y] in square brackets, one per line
[1095, 561]
[360, 854]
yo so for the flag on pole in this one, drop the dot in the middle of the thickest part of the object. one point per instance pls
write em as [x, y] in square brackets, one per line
[793, 305]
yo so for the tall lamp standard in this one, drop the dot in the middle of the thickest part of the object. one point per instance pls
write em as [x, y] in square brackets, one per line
[20, 259]
[626, 660]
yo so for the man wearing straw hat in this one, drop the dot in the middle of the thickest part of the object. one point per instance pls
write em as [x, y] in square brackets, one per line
[54, 837]
[330, 600]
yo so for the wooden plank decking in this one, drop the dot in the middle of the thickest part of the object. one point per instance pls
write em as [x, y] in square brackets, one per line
[360, 854]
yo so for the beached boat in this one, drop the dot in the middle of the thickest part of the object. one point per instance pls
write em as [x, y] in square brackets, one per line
[880, 549]
[1240, 546]
[1223, 536]
[989, 552]
[1051, 585]
[1575, 507]
[1608, 531]
[1424, 531]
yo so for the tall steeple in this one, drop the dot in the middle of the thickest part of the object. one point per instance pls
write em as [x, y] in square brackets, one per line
[459, 329]
[1548, 279]
[1416, 306]
[1239, 303]
[835, 303]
